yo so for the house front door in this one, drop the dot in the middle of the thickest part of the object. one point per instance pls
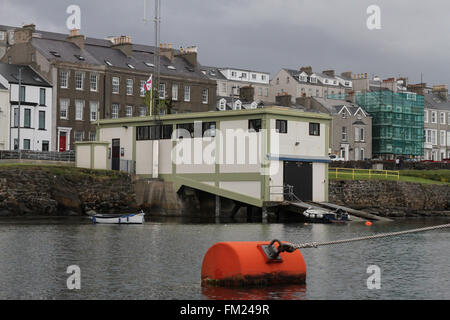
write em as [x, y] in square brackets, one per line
[62, 141]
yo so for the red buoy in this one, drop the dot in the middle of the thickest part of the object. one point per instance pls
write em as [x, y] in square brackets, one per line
[231, 264]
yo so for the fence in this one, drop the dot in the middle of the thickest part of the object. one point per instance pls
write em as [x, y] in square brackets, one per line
[358, 174]
[68, 156]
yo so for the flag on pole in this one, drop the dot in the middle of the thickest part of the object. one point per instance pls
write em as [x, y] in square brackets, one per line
[148, 84]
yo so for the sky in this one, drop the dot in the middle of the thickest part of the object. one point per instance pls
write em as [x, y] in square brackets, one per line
[267, 35]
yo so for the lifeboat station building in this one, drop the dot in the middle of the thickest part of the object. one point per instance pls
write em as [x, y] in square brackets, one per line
[257, 157]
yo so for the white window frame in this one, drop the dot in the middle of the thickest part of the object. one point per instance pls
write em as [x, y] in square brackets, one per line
[344, 134]
[79, 82]
[64, 79]
[93, 84]
[175, 92]
[442, 134]
[114, 111]
[129, 87]
[433, 117]
[129, 111]
[142, 87]
[75, 138]
[187, 93]
[93, 107]
[115, 84]
[162, 91]
[79, 109]
[205, 96]
[64, 107]
[142, 111]
[442, 117]
[425, 116]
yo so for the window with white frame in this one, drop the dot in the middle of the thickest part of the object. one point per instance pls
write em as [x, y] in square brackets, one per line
[425, 116]
[115, 111]
[93, 105]
[92, 136]
[344, 134]
[362, 154]
[162, 90]
[79, 77]
[442, 117]
[259, 91]
[263, 77]
[442, 138]
[115, 85]
[64, 79]
[142, 87]
[79, 106]
[78, 136]
[175, 92]
[129, 111]
[142, 111]
[205, 96]
[94, 82]
[2, 35]
[187, 93]
[238, 105]
[64, 109]
[433, 117]
[129, 87]
[222, 104]
[362, 134]
[433, 137]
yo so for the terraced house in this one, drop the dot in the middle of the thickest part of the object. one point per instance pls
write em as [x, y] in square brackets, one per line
[103, 78]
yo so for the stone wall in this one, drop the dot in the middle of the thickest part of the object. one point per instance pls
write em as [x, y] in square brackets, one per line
[390, 165]
[391, 198]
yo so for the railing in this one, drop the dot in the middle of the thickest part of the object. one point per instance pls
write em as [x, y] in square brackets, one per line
[287, 191]
[67, 156]
[357, 174]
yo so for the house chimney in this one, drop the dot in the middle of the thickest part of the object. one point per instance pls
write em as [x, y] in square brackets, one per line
[442, 91]
[417, 88]
[247, 93]
[308, 69]
[24, 34]
[123, 43]
[76, 38]
[284, 100]
[189, 54]
[329, 73]
[167, 51]
[304, 101]
[347, 74]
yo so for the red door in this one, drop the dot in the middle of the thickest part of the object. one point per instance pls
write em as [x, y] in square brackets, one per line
[62, 142]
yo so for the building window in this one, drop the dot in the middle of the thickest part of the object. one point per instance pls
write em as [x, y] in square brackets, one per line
[79, 77]
[253, 76]
[129, 111]
[41, 120]
[94, 82]
[64, 108]
[205, 96]
[314, 129]
[129, 87]
[16, 144]
[287, 80]
[142, 87]
[185, 129]
[79, 106]
[92, 136]
[64, 77]
[433, 117]
[425, 116]
[114, 111]
[78, 136]
[244, 75]
[281, 126]
[2, 36]
[26, 144]
[266, 92]
[142, 111]
[27, 118]
[158, 132]
[222, 104]
[16, 117]
[45, 146]
[162, 90]
[22, 93]
[42, 96]
[442, 138]
[209, 129]
[187, 93]
[442, 118]
[362, 154]
[259, 91]
[175, 92]
[254, 125]
[115, 85]
[93, 105]
[344, 133]
[362, 134]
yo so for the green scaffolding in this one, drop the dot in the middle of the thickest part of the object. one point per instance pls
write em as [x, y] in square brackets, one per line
[397, 122]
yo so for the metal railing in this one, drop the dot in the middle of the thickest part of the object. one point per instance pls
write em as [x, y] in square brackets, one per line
[287, 191]
[67, 156]
[357, 174]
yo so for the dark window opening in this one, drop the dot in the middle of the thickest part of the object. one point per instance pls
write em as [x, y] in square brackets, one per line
[189, 127]
[41, 120]
[42, 97]
[254, 125]
[27, 118]
[209, 129]
[157, 132]
[314, 129]
[281, 126]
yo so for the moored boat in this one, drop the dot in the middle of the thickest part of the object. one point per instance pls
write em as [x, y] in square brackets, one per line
[325, 216]
[137, 218]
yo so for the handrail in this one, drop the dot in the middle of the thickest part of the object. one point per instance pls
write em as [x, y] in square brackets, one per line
[363, 173]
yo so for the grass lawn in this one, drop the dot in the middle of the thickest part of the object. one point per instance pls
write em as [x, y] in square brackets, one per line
[416, 176]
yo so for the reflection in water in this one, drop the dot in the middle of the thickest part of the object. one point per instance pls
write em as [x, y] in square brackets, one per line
[162, 259]
[297, 292]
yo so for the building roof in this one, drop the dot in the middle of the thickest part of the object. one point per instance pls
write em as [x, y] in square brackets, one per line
[2, 87]
[96, 51]
[295, 74]
[6, 28]
[334, 105]
[434, 101]
[213, 73]
[11, 73]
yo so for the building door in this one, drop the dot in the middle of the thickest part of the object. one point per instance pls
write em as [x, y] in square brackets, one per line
[300, 176]
[115, 163]
[62, 141]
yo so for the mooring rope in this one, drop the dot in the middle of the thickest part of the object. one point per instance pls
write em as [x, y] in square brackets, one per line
[375, 236]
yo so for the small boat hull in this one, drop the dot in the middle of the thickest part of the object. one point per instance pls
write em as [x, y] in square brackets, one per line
[325, 216]
[124, 219]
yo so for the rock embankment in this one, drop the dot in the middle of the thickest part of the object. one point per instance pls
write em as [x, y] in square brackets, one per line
[392, 198]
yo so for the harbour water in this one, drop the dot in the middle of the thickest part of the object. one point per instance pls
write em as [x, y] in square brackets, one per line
[162, 259]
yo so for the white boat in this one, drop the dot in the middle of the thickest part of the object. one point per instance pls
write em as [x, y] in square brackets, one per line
[326, 216]
[119, 219]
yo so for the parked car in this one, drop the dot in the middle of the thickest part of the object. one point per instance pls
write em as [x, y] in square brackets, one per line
[334, 157]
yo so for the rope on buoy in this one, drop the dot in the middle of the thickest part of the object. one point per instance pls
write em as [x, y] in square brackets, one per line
[292, 246]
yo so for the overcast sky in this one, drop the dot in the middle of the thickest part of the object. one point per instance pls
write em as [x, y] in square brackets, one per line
[268, 35]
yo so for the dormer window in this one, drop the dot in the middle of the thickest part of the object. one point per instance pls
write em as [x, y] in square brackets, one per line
[238, 105]
[222, 104]
[344, 115]
[55, 53]
[171, 68]
[81, 58]
[313, 79]
[108, 63]
[131, 66]
[150, 65]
